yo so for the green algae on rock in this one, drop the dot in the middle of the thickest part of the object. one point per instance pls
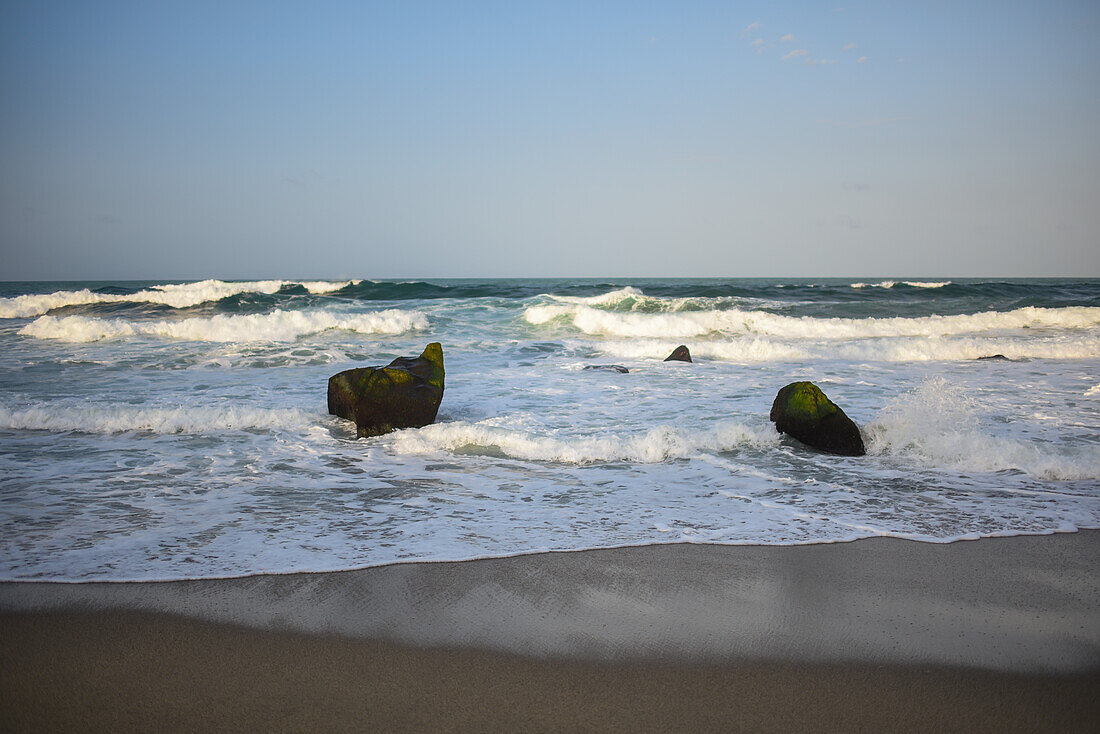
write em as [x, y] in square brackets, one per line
[801, 410]
[404, 394]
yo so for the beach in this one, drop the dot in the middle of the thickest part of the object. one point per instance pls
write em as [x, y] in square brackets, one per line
[994, 634]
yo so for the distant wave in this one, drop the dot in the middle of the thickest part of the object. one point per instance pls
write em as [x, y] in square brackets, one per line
[910, 283]
[272, 327]
[180, 295]
[596, 321]
[632, 299]
[937, 424]
[656, 445]
[122, 419]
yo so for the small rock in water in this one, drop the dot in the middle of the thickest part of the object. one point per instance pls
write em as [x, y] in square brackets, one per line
[996, 357]
[679, 354]
[404, 394]
[608, 368]
[801, 410]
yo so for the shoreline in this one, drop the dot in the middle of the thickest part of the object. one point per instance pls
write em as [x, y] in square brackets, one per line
[519, 554]
[1016, 604]
[999, 634]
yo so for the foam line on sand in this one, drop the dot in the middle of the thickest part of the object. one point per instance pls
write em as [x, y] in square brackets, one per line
[1028, 604]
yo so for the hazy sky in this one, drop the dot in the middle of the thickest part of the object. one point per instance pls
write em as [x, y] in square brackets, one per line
[415, 139]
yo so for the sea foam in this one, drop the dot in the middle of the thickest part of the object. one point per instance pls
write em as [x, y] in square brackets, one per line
[658, 444]
[180, 419]
[272, 327]
[910, 283]
[181, 295]
[747, 350]
[599, 322]
[937, 424]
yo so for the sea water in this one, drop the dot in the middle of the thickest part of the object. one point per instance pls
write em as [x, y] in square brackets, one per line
[168, 430]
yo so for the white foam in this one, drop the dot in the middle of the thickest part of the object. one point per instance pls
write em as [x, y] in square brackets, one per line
[122, 419]
[656, 445]
[937, 424]
[181, 295]
[746, 350]
[735, 321]
[911, 283]
[275, 326]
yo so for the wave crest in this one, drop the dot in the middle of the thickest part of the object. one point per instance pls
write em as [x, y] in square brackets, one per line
[599, 322]
[937, 423]
[654, 446]
[910, 283]
[275, 326]
[124, 419]
[176, 295]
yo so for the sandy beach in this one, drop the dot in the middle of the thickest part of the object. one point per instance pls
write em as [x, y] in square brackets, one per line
[997, 634]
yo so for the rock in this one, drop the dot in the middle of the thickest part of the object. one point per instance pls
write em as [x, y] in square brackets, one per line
[608, 368]
[404, 394]
[801, 410]
[679, 354]
[998, 357]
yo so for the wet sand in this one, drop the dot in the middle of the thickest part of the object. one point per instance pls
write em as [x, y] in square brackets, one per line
[999, 634]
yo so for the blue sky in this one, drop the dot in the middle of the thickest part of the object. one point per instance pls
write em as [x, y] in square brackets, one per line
[415, 139]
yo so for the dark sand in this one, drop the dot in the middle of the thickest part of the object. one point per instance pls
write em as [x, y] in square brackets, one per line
[881, 634]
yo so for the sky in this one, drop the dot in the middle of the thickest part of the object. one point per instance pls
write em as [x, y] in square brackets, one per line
[568, 139]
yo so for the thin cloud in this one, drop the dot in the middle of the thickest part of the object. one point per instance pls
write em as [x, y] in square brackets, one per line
[787, 38]
[757, 43]
[819, 62]
[848, 47]
[861, 59]
[796, 53]
[753, 27]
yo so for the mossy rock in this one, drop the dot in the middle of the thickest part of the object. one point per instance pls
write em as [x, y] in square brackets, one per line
[801, 410]
[406, 393]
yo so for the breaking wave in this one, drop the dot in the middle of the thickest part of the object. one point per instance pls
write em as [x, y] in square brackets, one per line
[910, 283]
[180, 295]
[937, 424]
[600, 322]
[123, 419]
[656, 445]
[903, 349]
[272, 327]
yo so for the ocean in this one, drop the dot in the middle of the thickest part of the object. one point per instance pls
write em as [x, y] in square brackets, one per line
[169, 430]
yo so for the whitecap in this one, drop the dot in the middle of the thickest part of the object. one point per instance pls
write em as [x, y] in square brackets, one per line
[656, 445]
[176, 295]
[179, 419]
[272, 327]
[735, 321]
[937, 424]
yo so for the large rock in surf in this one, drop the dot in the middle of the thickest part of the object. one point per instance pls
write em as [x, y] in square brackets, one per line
[679, 354]
[802, 410]
[404, 394]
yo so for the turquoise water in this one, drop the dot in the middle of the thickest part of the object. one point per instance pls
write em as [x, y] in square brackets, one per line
[177, 430]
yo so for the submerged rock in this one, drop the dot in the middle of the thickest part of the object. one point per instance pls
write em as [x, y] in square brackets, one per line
[608, 368]
[679, 354]
[801, 410]
[404, 394]
[997, 357]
